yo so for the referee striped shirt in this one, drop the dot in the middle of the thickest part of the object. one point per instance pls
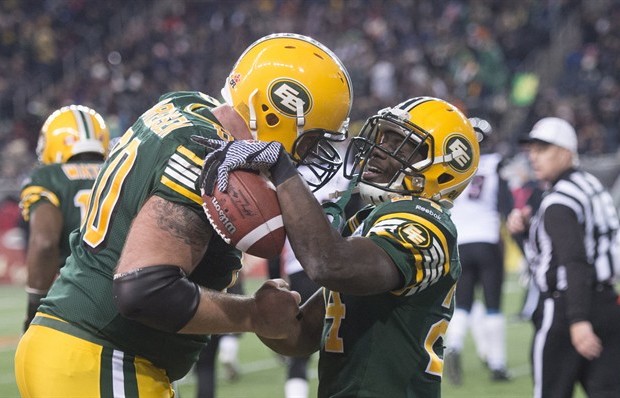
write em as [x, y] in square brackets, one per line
[574, 227]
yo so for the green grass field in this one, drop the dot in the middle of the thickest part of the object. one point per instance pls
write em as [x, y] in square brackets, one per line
[263, 374]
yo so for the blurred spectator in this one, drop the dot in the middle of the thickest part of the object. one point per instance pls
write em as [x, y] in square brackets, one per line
[116, 55]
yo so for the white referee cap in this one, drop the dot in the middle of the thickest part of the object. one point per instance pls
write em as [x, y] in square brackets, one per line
[553, 130]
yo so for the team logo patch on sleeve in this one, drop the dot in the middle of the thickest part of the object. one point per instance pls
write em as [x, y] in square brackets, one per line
[414, 233]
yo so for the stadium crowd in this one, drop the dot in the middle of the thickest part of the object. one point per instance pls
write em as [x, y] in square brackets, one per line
[117, 56]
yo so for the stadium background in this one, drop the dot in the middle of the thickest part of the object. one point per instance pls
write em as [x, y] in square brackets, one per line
[509, 61]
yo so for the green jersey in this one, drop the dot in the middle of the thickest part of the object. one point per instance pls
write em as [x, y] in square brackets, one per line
[154, 157]
[66, 186]
[391, 344]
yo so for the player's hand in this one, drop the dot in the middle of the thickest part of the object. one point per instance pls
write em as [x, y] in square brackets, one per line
[34, 299]
[232, 155]
[518, 220]
[585, 341]
[276, 309]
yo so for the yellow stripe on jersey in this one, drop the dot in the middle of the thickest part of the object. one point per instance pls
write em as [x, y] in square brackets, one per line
[190, 155]
[181, 189]
[32, 195]
[352, 224]
[182, 172]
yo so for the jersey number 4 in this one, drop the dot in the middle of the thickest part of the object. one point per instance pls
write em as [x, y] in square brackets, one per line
[336, 311]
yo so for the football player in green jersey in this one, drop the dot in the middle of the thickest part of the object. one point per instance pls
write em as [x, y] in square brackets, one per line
[72, 145]
[143, 287]
[389, 279]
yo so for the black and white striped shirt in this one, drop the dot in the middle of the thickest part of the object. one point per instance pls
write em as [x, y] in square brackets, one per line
[572, 241]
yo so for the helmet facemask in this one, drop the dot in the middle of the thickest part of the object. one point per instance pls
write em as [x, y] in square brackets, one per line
[413, 151]
[316, 151]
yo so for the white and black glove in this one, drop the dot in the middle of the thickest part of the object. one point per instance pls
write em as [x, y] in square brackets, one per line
[227, 156]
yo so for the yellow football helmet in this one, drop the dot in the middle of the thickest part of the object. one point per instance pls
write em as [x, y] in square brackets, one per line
[438, 152]
[292, 89]
[71, 130]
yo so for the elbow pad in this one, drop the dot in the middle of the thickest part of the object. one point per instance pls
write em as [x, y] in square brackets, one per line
[160, 296]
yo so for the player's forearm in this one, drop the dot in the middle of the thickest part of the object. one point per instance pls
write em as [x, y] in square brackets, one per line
[349, 265]
[219, 313]
[42, 265]
[312, 238]
[268, 312]
[290, 347]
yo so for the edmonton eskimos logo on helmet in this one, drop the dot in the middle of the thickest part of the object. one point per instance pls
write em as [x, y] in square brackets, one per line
[284, 94]
[460, 149]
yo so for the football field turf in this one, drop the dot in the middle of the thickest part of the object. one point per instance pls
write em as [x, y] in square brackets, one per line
[263, 373]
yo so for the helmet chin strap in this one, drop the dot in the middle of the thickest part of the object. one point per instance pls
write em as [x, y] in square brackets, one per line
[374, 195]
[301, 120]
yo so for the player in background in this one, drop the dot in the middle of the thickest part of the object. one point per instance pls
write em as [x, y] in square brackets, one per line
[478, 214]
[143, 287]
[389, 281]
[72, 145]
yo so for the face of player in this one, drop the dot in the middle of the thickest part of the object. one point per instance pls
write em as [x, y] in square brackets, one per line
[548, 161]
[381, 166]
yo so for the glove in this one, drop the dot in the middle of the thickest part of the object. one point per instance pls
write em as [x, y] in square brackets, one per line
[243, 154]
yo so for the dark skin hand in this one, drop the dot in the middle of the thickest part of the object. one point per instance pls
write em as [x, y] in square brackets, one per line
[305, 337]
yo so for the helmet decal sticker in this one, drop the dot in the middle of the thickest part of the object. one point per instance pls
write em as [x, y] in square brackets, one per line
[233, 79]
[284, 94]
[461, 152]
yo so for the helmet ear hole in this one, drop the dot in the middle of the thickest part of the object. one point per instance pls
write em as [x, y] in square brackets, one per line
[272, 119]
[264, 107]
[444, 178]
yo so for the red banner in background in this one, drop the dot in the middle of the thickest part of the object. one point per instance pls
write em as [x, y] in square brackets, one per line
[13, 248]
[12, 244]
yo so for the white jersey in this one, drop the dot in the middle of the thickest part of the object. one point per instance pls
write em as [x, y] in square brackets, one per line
[475, 212]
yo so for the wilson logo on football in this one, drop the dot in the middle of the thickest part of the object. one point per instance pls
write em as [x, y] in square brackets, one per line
[230, 227]
[286, 94]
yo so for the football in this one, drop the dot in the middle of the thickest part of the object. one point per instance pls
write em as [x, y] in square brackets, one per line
[248, 214]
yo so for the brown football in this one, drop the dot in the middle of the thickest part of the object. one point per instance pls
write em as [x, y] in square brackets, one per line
[248, 214]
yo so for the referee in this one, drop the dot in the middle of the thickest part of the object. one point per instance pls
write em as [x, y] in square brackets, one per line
[571, 251]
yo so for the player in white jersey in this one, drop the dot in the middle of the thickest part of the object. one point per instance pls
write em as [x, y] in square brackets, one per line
[478, 214]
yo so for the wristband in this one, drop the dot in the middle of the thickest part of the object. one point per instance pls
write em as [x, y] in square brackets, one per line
[283, 169]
